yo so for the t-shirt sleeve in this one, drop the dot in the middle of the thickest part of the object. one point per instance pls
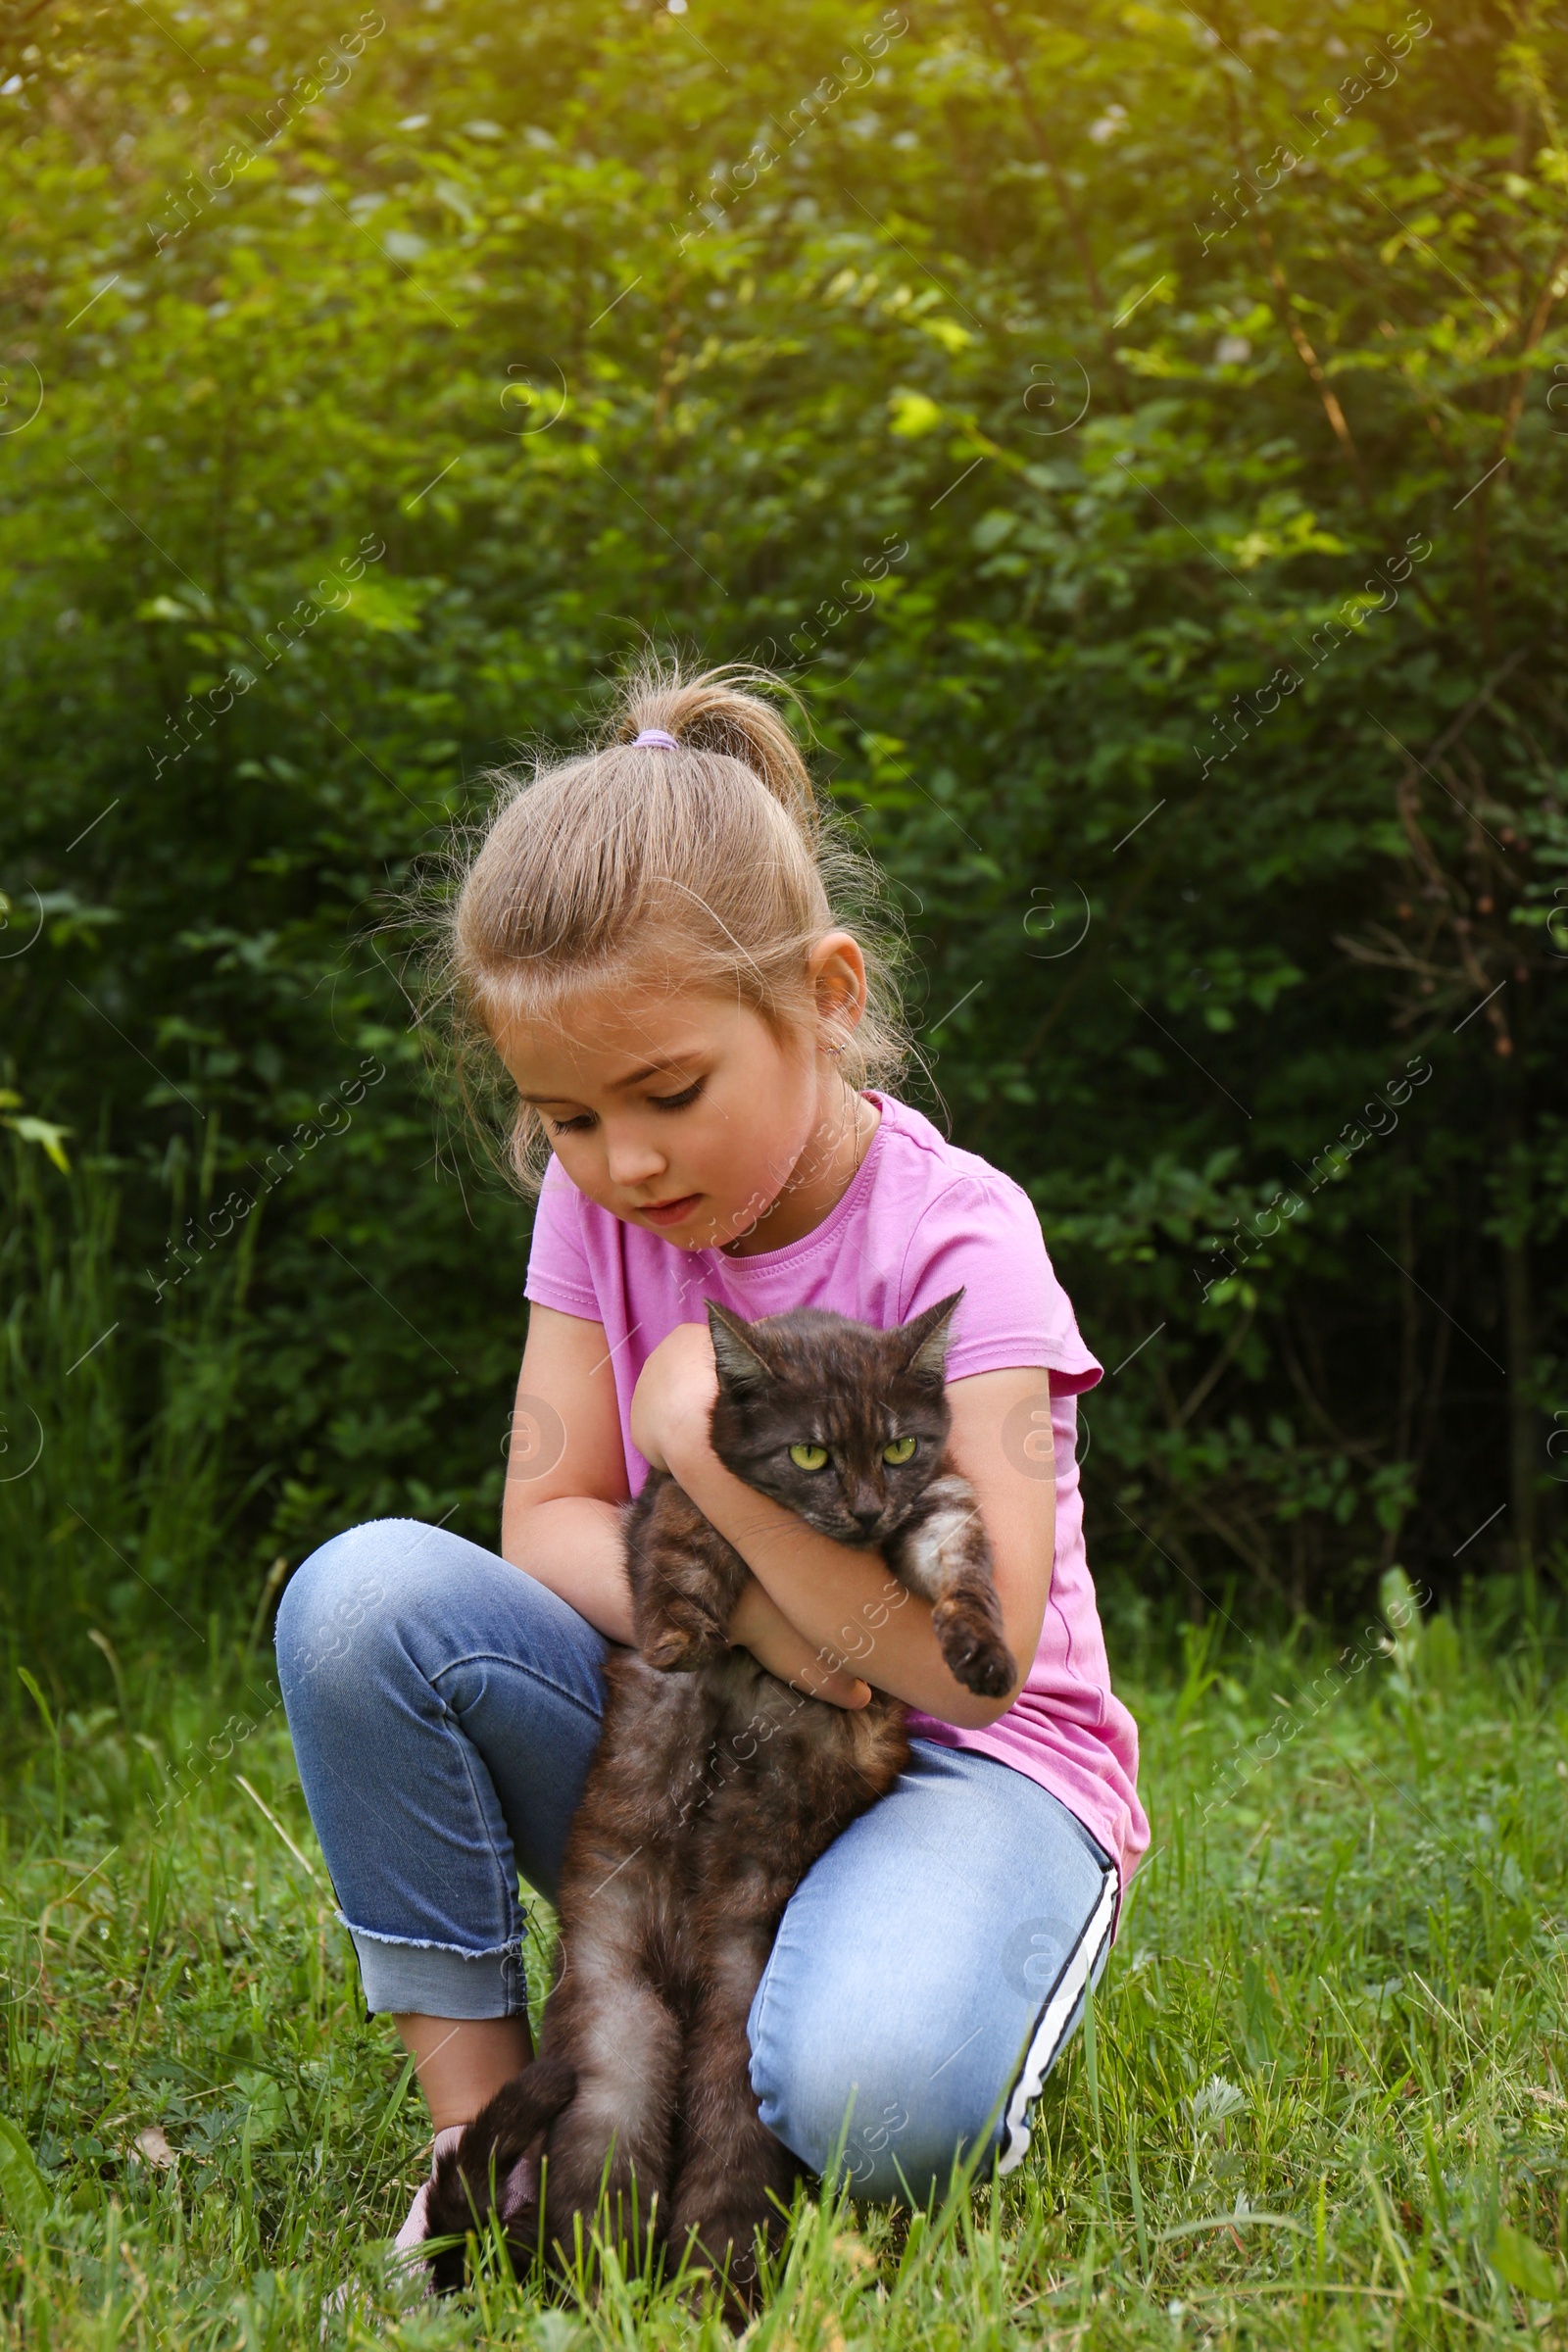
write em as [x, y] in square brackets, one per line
[559, 1271]
[981, 1235]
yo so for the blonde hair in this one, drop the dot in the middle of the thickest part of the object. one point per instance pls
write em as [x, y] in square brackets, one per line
[713, 862]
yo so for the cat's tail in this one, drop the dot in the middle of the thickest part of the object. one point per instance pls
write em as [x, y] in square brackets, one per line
[485, 2172]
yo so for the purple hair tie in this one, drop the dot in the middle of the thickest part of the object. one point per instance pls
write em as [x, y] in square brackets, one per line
[654, 739]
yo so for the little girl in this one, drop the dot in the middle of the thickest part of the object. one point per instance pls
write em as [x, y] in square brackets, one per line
[651, 942]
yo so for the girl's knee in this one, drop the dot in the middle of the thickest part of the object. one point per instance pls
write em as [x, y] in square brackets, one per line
[877, 2115]
[336, 1603]
[887, 2137]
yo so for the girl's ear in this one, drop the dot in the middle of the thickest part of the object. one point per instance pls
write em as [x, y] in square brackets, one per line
[837, 975]
[739, 1361]
[928, 1336]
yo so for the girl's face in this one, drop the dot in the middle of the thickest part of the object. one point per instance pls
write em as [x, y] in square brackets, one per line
[685, 1113]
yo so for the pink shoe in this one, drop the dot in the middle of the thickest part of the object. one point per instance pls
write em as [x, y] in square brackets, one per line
[417, 2229]
[520, 2191]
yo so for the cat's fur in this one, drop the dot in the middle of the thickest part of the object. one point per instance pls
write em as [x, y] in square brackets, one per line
[714, 1788]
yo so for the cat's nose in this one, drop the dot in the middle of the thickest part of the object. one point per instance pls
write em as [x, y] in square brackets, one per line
[866, 1516]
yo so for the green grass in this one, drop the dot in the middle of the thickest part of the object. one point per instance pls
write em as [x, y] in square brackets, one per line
[1323, 2101]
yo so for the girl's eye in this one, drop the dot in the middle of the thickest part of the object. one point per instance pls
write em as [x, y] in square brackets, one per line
[902, 1450]
[680, 1100]
[571, 1126]
[808, 1457]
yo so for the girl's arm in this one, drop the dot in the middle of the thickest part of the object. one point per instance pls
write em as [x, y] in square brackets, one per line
[566, 1473]
[839, 1597]
[566, 1484]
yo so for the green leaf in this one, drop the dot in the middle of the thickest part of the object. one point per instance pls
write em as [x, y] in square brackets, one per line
[24, 2191]
[44, 1704]
[912, 413]
[1518, 2259]
[46, 1133]
[391, 606]
[1398, 1600]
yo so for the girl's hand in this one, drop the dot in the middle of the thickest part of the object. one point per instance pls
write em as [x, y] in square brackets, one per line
[671, 1407]
[673, 1399]
[760, 1626]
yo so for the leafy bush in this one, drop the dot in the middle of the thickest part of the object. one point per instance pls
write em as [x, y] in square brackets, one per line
[1142, 441]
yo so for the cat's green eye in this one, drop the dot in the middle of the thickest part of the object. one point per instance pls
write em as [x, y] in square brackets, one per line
[902, 1450]
[808, 1457]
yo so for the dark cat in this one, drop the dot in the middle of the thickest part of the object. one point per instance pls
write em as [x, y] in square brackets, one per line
[714, 1788]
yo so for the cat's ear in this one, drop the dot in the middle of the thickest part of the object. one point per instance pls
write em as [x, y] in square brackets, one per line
[927, 1336]
[740, 1362]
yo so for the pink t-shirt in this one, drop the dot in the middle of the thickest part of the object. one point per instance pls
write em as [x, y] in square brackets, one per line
[920, 1219]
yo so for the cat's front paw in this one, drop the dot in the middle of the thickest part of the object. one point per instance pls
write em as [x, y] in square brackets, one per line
[683, 1640]
[975, 1653]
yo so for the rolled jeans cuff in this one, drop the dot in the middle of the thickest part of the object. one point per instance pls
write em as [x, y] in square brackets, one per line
[436, 1980]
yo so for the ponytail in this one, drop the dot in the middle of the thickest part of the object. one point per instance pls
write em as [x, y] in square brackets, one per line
[688, 842]
[720, 711]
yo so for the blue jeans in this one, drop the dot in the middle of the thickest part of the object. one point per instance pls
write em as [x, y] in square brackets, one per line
[928, 1970]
